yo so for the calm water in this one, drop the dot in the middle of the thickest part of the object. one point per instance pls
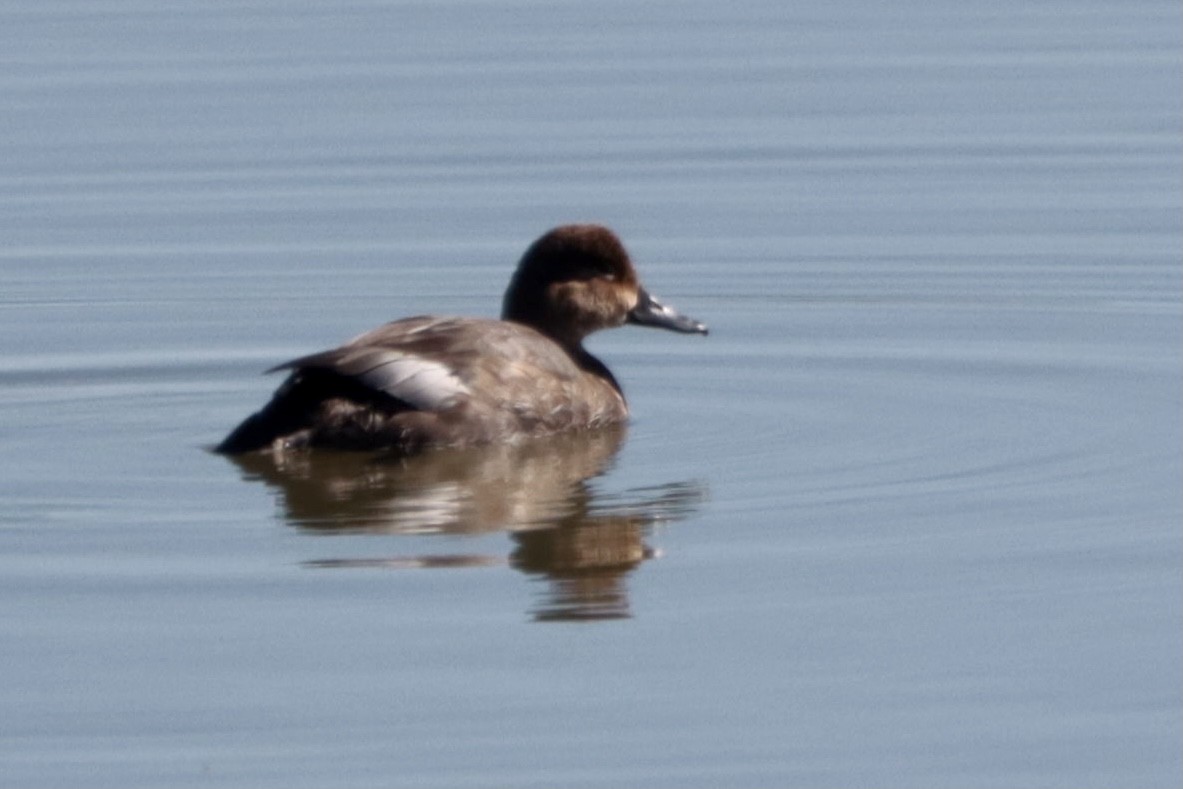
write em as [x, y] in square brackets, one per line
[908, 517]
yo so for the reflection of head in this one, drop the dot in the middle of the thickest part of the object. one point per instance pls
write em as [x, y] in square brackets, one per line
[586, 560]
[587, 557]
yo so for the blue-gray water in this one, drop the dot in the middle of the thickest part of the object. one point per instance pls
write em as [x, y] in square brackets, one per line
[909, 517]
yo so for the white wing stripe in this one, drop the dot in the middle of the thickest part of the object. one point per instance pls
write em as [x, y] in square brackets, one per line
[421, 382]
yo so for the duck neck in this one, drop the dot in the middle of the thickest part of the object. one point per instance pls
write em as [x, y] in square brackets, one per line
[594, 366]
[571, 341]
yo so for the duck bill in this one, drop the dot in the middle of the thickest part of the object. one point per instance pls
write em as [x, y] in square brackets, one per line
[651, 312]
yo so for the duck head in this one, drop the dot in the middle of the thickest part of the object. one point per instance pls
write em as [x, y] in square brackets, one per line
[577, 279]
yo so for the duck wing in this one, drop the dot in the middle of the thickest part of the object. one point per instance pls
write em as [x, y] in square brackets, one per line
[432, 363]
[422, 383]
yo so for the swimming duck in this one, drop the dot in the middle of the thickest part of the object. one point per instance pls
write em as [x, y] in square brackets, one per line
[441, 381]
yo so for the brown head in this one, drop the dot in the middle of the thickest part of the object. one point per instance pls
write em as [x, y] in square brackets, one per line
[578, 279]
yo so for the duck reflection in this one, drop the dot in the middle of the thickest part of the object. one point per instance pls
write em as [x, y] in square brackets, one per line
[582, 540]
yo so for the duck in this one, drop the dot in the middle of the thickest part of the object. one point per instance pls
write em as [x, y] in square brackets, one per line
[436, 381]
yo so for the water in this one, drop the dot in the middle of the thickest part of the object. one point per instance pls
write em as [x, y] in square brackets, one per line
[908, 517]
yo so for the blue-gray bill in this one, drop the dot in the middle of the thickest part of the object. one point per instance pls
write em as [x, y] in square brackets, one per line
[651, 312]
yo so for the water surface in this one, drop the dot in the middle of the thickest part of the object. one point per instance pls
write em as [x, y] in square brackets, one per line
[908, 517]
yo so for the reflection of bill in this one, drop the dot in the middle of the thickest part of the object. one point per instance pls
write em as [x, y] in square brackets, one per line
[583, 540]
